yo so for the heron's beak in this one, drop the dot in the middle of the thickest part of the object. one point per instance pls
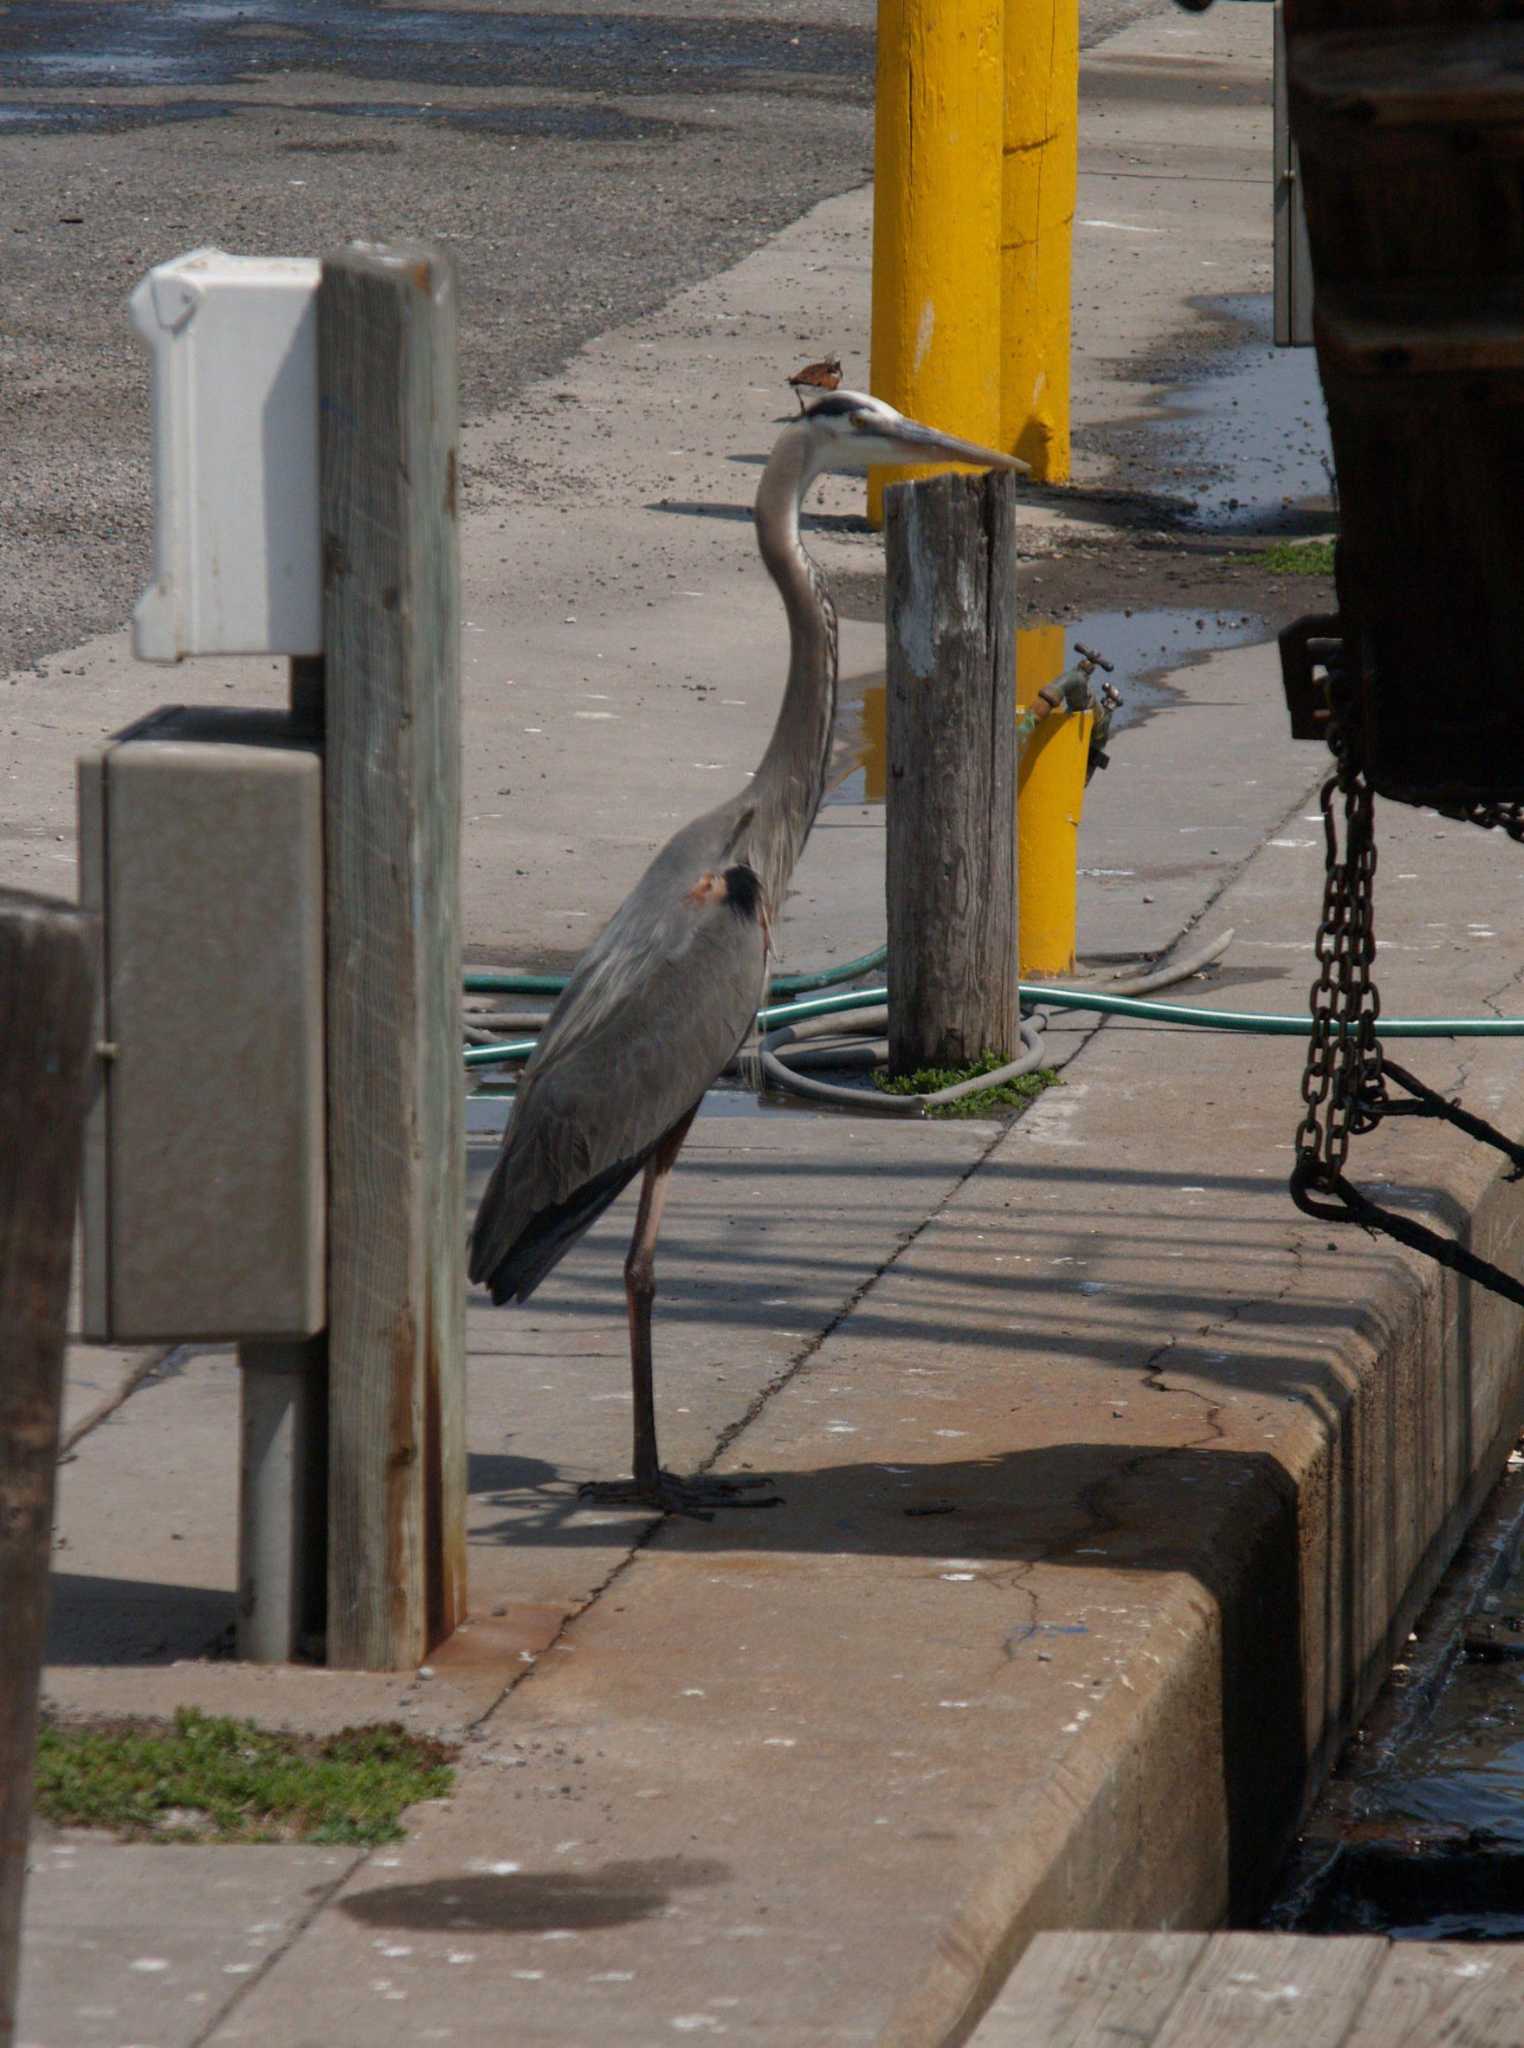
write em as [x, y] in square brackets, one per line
[909, 441]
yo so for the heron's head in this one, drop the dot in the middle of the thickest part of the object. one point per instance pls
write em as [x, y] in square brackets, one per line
[850, 430]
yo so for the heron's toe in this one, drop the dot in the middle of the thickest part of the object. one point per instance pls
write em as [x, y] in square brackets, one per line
[668, 1494]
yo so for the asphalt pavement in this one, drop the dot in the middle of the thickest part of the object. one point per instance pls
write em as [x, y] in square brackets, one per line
[579, 166]
[1109, 1484]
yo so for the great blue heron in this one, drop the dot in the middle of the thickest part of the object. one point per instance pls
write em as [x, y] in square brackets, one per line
[661, 1002]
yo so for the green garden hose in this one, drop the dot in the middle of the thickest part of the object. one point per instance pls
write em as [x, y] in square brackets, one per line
[1038, 995]
[493, 981]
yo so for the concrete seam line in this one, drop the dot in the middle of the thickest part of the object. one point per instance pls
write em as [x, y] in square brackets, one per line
[606, 1584]
[321, 1896]
[811, 1345]
[134, 1377]
[733, 1430]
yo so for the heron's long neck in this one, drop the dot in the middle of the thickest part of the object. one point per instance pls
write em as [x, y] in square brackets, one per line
[790, 782]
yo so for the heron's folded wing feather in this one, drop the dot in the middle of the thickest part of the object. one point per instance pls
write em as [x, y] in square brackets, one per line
[636, 1039]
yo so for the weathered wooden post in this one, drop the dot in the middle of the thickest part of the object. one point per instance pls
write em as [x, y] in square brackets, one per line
[46, 984]
[396, 1147]
[280, 899]
[951, 738]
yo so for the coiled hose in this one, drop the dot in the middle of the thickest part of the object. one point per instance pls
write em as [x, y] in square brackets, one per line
[840, 1031]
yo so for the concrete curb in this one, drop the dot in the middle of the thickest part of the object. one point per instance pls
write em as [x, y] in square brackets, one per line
[1110, 1486]
[1108, 1503]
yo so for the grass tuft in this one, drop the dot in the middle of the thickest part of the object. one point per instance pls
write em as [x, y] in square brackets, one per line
[984, 1101]
[205, 1778]
[1300, 558]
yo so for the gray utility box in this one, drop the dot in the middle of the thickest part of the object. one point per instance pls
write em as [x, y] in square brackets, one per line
[201, 845]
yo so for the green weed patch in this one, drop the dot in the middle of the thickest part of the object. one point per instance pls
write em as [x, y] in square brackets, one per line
[205, 1778]
[1300, 558]
[983, 1101]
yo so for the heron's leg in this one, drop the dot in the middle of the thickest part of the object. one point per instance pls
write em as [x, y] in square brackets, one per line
[640, 1293]
[651, 1487]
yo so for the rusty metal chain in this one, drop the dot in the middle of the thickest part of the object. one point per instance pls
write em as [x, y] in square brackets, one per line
[1507, 818]
[1342, 1084]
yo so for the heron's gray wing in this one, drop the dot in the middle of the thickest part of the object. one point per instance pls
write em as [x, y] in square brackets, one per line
[653, 1014]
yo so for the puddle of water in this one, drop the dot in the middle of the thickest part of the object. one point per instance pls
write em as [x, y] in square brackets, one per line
[1464, 1769]
[80, 117]
[1424, 1833]
[558, 124]
[1143, 647]
[582, 123]
[189, 41]
[1252, 434]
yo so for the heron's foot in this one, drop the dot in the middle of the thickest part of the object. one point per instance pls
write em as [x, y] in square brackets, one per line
[670, 1495]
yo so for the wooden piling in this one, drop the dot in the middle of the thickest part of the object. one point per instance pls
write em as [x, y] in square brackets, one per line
[47, 977]
[951, 736]
[391, 709]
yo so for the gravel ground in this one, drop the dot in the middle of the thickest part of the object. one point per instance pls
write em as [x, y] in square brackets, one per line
[581, 168]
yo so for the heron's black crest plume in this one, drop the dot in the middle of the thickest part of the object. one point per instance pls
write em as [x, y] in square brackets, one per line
[743, 891]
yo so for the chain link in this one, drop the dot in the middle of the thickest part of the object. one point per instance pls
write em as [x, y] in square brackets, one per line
[1507, 818]
[1342, 1084]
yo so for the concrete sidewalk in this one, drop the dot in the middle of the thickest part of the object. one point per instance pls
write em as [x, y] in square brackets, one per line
[1109, 1483]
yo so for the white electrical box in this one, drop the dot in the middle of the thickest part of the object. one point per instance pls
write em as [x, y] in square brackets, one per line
[235, 457]
[203, 1196]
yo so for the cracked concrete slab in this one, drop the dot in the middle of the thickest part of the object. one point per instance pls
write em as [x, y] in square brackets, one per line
[777, 1223]
[147, 1947]
[1103, 1503]
[1108, 1480]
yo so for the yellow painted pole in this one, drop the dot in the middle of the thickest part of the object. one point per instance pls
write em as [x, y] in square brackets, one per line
[1037, 233]
[875, 743]
[1050, 790]
[937, 220]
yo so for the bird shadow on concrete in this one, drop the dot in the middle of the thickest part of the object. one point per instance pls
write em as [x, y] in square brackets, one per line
[535, 1901]
[1225, 1519]
[1042, 1505]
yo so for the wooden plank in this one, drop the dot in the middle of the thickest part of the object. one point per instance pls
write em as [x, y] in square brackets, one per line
[47, 985]
[1074, 1990]
[1435, 76]
[388, 428]
[1469, 1993]
[951, 742]
[1274, 1991]
[1376, 331]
